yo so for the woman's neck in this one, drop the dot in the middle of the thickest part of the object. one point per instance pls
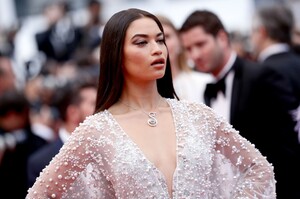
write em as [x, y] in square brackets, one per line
[140, 95]
[145, 101]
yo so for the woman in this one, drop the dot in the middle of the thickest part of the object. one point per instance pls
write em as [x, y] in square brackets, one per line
[188, 84]
[143, 143]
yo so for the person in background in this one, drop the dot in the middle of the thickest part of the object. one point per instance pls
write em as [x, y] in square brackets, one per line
[239, 43]
[60, 40]
[91, 36]
[142, 141]
[43, 115]
[207, 43]
[75, 101]
[41, 90]
[17, 142]
[278, 96]
[296, 39]
[7, 75]
[188, 84]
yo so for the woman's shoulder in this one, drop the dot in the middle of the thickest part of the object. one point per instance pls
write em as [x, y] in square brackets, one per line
[94, 124]
[190, 105]
[96, 118]
[196, 112]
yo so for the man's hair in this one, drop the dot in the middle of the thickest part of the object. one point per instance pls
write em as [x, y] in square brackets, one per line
[278, 20]
[205, 19]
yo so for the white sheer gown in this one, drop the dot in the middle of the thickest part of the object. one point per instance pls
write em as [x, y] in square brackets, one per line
[100, 161]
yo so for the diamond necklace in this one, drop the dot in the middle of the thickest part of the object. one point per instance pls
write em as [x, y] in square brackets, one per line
[152, 121]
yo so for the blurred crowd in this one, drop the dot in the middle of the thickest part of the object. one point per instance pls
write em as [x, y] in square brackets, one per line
[42, 80]
[42, 96]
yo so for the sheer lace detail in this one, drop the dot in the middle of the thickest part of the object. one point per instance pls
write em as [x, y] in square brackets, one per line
[213, 161]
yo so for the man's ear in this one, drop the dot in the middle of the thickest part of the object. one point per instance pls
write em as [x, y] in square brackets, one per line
[223, 37]
[262, 31]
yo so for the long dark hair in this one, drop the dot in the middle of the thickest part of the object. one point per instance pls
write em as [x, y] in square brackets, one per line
[111, 78]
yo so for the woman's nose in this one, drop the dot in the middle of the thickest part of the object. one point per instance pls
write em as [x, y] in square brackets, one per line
[157, 48]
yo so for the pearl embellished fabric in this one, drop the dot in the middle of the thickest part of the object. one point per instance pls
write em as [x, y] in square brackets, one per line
[100, 161]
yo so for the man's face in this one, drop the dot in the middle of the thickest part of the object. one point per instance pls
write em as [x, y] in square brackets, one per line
[7, 76]
[203, 48]
[258, 37]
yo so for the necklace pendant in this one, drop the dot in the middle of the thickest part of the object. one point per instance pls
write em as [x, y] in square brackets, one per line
[152, 121]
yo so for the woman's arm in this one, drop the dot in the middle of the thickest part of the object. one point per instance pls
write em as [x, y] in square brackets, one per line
[66, 173]
[256, 175]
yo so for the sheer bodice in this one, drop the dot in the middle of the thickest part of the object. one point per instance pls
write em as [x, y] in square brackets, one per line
[101, 161]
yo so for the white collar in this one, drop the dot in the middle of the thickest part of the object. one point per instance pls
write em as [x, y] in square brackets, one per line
[43, 131]
[273, 49]
[63, 134]
[227, 66]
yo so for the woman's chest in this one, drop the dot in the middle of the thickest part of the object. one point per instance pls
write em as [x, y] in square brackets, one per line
[156, 166]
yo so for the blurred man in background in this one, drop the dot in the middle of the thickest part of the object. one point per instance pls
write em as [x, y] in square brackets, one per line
[75, 101]
[278, 96]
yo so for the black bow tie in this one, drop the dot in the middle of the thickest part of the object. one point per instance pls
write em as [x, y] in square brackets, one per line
[212, 90]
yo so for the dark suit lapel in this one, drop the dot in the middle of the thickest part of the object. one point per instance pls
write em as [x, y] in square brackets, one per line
[236, 86]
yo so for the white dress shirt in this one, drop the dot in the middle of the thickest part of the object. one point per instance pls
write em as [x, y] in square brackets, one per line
[271, 50]
[222, 103]
[63, 134]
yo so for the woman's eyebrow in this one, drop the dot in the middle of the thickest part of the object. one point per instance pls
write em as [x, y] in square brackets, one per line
[146, 35]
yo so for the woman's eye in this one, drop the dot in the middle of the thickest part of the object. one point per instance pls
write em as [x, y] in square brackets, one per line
[141, 43]
[161, 41]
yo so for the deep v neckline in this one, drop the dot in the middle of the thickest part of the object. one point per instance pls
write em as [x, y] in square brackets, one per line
[159, 173]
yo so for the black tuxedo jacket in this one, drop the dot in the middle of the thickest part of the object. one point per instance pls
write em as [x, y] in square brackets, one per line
[13, 166]
[245, 75]
[272, 126]
[40, 159]
[64, 51]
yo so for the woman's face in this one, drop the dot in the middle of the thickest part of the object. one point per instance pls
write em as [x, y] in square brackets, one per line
[145, 54]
